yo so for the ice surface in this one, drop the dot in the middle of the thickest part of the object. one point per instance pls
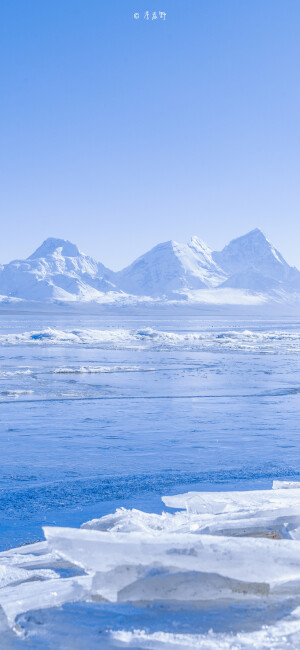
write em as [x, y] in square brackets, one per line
[239, 558]
[13, 575]
[242, 434]
[286, 485]
[15, 373]
[15, 393]
[272, 341]
[255, 503]
[98, 370]
[239, 525]
[127, 521]
[133, 557]
[283, 635]
[37, 595]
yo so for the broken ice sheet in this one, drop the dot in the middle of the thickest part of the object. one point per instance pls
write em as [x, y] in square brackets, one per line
[256, 503]
[36, 595]
[262, 513]
[258, 560]
[14, 575]
[221, 548]
[285, 485]
[122, 520]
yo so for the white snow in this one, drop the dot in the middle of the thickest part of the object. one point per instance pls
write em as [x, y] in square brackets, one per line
[15, 373]
[224, 296]
[251, 262]
[170, 267]
[283, 635]
[249, 270]
[56, 271]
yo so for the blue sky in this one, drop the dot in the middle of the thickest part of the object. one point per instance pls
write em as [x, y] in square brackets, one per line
[119, 133]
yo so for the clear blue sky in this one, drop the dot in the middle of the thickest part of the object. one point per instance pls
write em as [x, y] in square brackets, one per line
[118, 133]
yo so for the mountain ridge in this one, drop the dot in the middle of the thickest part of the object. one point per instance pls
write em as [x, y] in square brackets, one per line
[253, 256]
[58, 271]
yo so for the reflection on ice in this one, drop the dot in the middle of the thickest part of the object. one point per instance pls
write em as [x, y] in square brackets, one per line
[219, 551]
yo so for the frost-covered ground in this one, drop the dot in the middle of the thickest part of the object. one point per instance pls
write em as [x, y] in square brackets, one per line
[98, 414]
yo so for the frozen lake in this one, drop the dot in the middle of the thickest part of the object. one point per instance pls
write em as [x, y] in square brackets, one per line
[99, 413]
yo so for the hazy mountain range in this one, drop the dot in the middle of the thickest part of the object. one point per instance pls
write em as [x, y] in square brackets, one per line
[249, 268]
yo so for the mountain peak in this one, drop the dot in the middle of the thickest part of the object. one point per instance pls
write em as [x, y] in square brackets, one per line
[250, 257]
[256, 231]
[257, 234]
[52, 245]
[199, 245]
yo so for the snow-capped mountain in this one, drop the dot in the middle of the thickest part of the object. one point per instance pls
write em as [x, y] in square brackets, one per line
[251, 262]
[248, 270]
[170, 267]
[57, 270]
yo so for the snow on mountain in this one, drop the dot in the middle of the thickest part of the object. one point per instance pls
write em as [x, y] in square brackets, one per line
[251, 262]
[53, 246]
[57, 270]
[171, 267]
[248, 270]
